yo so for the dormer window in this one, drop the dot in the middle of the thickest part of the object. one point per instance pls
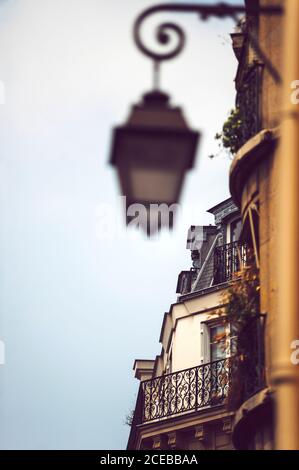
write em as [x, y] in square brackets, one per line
[235, 230]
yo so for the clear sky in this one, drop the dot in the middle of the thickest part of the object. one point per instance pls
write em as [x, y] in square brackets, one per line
[75, 310]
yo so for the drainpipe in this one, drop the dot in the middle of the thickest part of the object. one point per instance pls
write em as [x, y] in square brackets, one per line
[285, 375]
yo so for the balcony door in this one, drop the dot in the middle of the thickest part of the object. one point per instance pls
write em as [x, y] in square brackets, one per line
[235, 230]
[219, 336]
[218, 342]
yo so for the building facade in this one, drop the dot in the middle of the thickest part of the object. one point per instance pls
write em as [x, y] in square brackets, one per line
[253, 184]
[187, 398]
[184, 399]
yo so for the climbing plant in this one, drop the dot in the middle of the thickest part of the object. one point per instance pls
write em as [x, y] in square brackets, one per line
[241, 312]
[230, 137]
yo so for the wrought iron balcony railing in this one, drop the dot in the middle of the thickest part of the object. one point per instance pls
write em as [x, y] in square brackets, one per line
[207, 385]
[250, 372]
[227, 382]
[187, 390]
[228, 259]
[248, 102]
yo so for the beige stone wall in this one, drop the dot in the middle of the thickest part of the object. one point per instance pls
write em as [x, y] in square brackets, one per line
[263, 182]
[263, 177]
[270, 39]
[205, 432]
[268, 249]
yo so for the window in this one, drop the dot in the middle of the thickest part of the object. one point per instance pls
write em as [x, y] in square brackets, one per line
[251, 229]
[219, 367]
[235, 230]
[223, 341]
[218, 343]
[168, 369]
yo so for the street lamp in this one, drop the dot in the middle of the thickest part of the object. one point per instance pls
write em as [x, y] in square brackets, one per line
[155, 148]
[152, 151]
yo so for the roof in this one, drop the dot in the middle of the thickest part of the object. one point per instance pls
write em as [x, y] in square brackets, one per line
[218, 206]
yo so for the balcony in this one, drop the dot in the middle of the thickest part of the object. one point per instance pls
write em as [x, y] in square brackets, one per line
[228, 383]
[209, 385]
[248, 101]
[184, 391]
[248, 371]
[228, 260]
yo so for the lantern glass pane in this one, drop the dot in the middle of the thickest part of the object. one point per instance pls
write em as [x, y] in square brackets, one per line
[155, 185]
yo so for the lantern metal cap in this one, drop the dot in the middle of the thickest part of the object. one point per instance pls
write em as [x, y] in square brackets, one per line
[155, 111]
[156, 98]
[155, 115]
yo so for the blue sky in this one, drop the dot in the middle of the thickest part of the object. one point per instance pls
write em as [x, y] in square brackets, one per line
[75, 310]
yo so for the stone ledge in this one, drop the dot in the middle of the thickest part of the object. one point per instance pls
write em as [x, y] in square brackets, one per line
[254, 150]
[249, 409]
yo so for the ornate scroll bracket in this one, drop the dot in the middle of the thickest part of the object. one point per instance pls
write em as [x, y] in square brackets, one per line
[227, 424]
[200, 432]
[166, 31]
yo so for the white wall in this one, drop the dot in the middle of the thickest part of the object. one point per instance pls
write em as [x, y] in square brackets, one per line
[189, 345]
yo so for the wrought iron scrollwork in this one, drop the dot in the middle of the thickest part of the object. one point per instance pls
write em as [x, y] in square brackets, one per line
[166, 30]
[223, 382]
[163, 36]
[248, 102]
[187, 390]
[200, 388]
[252, 369]
[228, 259]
